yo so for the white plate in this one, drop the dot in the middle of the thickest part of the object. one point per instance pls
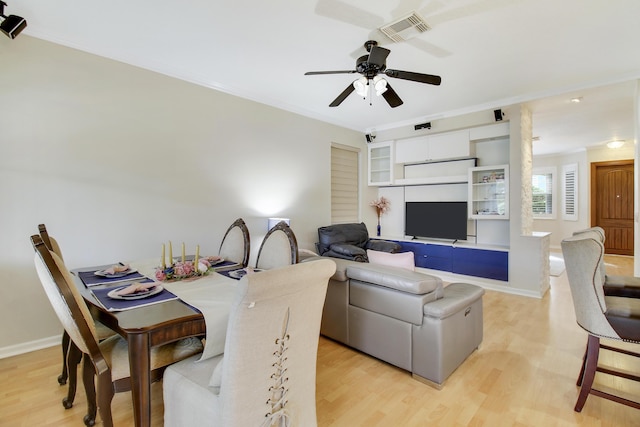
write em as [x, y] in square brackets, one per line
[138, 295]
[239, 274]
[103, 273]
[219, 261]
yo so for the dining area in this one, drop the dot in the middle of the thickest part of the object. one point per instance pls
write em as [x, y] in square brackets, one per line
[129, 323]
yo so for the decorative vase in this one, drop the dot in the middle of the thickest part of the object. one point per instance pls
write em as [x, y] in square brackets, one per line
[378, 229]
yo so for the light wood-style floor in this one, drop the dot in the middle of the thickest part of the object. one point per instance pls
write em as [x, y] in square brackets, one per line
[524, 374]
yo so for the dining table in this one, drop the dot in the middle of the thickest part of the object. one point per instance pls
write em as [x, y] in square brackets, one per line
[194, 307]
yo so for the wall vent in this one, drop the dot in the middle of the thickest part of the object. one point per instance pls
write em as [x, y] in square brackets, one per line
[405, 28]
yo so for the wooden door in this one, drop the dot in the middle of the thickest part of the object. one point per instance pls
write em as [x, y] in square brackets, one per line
[612, 204]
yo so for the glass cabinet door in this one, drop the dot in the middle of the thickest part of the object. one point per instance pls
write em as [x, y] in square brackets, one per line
[381, 163]
[489, 192]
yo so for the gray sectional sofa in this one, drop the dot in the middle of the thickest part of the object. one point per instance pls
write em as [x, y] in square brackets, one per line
[403, 317]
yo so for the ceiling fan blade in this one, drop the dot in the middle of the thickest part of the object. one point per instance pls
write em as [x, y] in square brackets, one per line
[392, 97]
[313, 73]
[415, 77]
[342, 96]
[378, 56]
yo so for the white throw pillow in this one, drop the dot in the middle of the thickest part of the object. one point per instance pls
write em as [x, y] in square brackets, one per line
[401, 259]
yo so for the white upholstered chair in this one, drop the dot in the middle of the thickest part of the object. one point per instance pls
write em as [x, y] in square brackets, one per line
[107, 360]
[235, 244]
[71, 356]
[266, 376]
[614, 285]
[609, 317]
[279, 248]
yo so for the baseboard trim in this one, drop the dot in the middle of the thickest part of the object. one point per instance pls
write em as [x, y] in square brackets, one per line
[27, 347]
[489, 284]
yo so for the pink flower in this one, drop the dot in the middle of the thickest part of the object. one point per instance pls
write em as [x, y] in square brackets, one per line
[160, 275]
[382, 205]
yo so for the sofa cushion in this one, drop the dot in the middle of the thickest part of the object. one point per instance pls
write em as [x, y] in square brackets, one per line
[395, 278]
[347, 249]
[403, 306]
[353, 234]
[403, 259]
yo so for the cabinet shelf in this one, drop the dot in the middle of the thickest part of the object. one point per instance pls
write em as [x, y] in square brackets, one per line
[489, 192]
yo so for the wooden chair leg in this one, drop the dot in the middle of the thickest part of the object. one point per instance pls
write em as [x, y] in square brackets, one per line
[581, 374]
[88, 379]
[62, 378]
[591, 365]
[105, 396]
[74, 356]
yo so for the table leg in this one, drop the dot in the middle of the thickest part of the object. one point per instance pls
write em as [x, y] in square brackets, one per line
[140, 365]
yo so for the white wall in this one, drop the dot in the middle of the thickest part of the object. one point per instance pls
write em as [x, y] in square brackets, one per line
[116, 160]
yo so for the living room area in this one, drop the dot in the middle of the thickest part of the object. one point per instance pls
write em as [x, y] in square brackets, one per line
[119, 159]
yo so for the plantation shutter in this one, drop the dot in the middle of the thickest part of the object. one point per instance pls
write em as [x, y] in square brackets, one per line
[344, 185]
[570, 192]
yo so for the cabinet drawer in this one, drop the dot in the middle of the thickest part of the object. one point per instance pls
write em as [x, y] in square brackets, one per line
[481, 263]
[436, 257]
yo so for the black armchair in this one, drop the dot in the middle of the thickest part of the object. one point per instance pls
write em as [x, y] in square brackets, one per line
[350, 241]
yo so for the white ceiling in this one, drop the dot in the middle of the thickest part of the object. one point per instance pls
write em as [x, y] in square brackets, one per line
[489, 53]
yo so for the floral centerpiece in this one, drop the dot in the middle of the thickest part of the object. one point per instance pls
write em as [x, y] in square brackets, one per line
[180, 270]
[381, 205]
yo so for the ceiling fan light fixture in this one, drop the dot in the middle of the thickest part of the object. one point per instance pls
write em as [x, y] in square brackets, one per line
[380, 85]
[361, 86]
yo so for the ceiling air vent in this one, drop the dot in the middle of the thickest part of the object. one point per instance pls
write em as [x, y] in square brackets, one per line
[405, 28]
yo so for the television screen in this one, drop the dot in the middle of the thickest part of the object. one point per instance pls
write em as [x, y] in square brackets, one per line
[437, 220]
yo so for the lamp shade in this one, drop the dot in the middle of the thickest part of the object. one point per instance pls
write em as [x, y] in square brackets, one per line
[361, 86]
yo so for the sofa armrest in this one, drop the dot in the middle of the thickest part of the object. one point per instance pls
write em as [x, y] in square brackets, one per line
[383, 246]
[347, 250]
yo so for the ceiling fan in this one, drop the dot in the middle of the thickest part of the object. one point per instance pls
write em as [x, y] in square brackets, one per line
[371, 66]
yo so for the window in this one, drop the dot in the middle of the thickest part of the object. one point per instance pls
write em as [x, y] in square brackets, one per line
[570, 192]
[344, 184]
[543, 196]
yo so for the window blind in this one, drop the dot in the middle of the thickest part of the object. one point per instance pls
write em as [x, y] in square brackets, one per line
[344, 185]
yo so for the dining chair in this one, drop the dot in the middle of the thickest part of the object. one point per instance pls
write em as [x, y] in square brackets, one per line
[614, 285]
[107, 360]
[279, 248]
[601, 316]
[267, 374]
[71, 356]
[236, 244]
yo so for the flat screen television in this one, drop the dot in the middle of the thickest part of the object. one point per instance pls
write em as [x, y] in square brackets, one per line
[436, 220]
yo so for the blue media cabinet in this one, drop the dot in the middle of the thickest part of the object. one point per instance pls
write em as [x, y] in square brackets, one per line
[490, 264]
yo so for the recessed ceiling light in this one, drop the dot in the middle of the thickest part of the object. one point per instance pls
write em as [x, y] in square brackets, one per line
[576, 100]
[615, 144]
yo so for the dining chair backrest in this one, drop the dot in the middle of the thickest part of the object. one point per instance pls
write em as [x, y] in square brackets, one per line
[583, 254]
[50, 242]
[279, 248]
[65, 298]
[235, 244]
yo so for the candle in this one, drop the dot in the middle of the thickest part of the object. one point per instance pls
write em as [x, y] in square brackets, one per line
[183, 252]
[170, 253]
[164, 264]
[195, 262]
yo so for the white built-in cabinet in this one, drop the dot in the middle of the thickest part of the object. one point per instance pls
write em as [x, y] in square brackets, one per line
[429, 148]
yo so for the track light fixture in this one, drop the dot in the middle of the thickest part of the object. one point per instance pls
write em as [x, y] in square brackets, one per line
[11, 25]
